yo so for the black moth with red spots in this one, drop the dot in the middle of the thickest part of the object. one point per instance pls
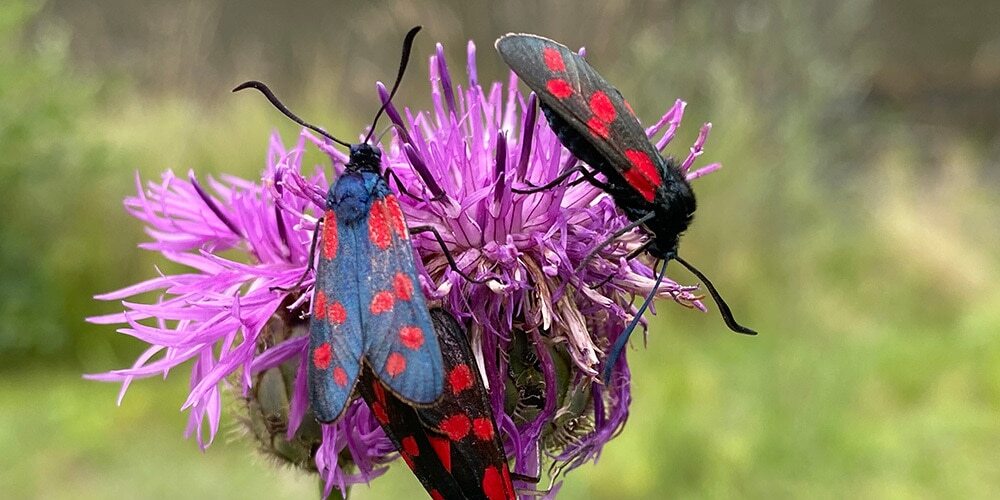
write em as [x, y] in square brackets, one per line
[595, 123]
[452, 445]
[598, 126]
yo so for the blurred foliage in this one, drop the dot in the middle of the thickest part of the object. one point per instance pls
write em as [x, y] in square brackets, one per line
[854, 226]
[53, 177]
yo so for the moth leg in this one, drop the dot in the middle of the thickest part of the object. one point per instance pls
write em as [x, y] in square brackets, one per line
[611, 239]
[388, 174]
[524, 478]
[551, 184]
[633, 254]
[592, 179]
[447, 254]
[309, 263]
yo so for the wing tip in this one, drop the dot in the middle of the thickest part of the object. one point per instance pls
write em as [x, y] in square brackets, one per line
[512, 36]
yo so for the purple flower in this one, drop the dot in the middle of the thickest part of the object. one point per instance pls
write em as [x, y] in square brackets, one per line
[458, 162]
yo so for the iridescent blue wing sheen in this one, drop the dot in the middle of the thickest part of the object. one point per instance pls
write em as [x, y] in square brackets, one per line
[335, 339]
[452, 445]
[399, 340]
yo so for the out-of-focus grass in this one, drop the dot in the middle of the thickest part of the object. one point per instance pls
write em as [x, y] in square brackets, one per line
[869, 271]
[63, 438]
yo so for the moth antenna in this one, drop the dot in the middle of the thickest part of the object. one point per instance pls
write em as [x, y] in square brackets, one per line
[404, 60]
[378, 138]
[724, 310]
[616, 349]
[263, 89]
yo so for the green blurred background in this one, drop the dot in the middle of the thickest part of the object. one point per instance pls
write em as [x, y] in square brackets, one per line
[855, 225]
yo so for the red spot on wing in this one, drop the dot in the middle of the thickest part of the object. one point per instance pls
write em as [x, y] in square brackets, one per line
[598, 128]
[395, 365]
[410, 446]
[379, 392]
[601, 106]
[378, 409]
[382, 302]
[553, 59]
[411, 336]
[322, 356]
[559, 88]
[493, 484]
[336, 313]
[408, 459]
[460, 378]
[442, 447]
[319, 304]
[378, 225]
[456, 426]
[403, 286]
[340, 376]
[482, 427]
[395, 216]
[329, 235]
[642, 174]
[436, 495]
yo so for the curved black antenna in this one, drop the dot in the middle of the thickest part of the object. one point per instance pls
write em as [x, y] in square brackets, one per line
[403, 62]
[619, 346]
[727, 314]
[378, 138]
[254, 84]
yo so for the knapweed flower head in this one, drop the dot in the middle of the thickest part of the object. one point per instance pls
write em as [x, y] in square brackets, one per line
[539, 327]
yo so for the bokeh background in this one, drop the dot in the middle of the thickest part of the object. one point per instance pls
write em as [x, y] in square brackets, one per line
[856, 225]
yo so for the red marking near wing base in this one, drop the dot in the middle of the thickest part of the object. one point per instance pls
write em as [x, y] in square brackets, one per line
[395, 365]
[340, 376]
[403, 286]
[395, 215]
[442, 447]
[436, 495]
[601, 106]
[410, 446]
[379, 392]
[456, 426]
[382, 302]
[508, 484]
[642, 176]
[322, 356]
[329, 235]
[599, 128]
[460, 378]
[411, 336]
[482, 427]
[408, 459]
[319, 305]
[379, 411]
[559, 88]
[493, 485]
[378, 225]
[553, 59]
[336, 313]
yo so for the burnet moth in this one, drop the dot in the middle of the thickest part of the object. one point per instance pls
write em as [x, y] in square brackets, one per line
[452, 446]
[596, 124]
[367, 307]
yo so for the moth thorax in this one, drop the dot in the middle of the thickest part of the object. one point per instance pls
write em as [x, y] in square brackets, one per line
[350, 197]
[365, 158]
[674, 206]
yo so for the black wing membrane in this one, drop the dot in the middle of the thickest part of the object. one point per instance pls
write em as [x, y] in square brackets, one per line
[526, 54]
[452, 445]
